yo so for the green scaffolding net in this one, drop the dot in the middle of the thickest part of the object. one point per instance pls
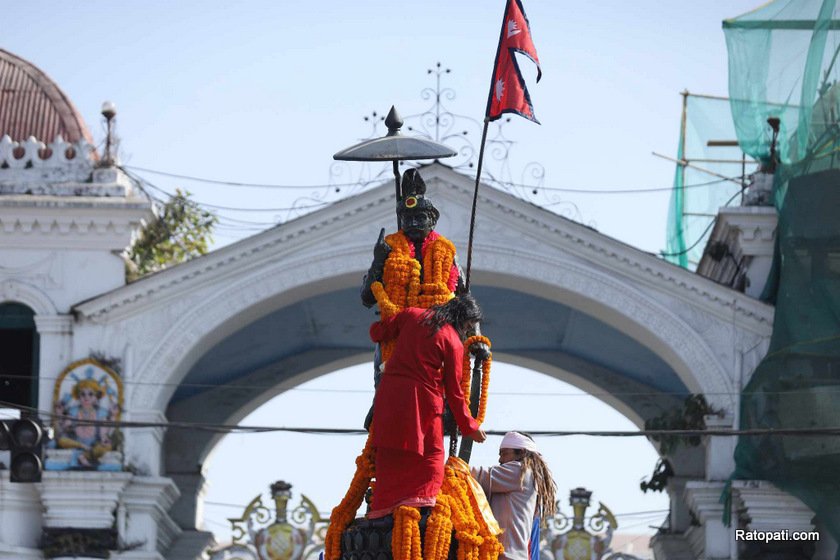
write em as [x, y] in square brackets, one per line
[710, 173]
[783, 64]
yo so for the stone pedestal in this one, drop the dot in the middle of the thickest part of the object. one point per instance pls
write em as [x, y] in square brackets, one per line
[82, 499]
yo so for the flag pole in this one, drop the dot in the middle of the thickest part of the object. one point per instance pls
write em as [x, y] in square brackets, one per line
[475, 201]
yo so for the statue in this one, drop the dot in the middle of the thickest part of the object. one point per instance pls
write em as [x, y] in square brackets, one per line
[88, 396]
[416, 266]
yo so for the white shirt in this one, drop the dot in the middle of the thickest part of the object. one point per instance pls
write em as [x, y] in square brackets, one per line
[513, 504]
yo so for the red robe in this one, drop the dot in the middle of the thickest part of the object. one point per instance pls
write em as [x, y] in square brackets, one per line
[407, 419]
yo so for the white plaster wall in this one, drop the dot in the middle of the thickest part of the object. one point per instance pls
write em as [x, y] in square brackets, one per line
[66, 276]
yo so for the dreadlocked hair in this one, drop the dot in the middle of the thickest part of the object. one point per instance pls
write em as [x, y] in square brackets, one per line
[543, 482]
[458, 312]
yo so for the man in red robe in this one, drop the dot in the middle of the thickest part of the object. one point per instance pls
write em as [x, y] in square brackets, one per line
[407, 423]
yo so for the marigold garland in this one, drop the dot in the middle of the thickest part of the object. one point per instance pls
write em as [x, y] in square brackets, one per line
[401, 276]
[344, 513]
[402, 287]
[438, 534]
[405, 536]
[475, 539]
[466, 377]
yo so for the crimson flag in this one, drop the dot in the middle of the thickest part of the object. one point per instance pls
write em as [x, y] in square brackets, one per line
[507, 90]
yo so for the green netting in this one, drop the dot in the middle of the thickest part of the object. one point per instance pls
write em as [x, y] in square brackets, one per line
[783, 63]
[707, 177]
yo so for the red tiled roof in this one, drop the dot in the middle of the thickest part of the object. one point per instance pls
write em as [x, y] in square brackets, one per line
[31, 104]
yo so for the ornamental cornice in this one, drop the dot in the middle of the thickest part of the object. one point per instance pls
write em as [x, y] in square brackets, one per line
[565, 235]
[82, 222]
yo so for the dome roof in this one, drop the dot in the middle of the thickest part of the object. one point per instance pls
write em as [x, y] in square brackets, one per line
[31, 104]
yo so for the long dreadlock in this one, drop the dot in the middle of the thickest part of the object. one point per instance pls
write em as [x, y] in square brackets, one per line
[543, 480]
[459, 312]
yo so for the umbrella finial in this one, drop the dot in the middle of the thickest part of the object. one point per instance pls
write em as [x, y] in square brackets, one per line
[393, 121]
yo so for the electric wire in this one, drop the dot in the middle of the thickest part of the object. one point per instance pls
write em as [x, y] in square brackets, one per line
[233, 428]
[489, 180]
[234, 183]
[370, 392]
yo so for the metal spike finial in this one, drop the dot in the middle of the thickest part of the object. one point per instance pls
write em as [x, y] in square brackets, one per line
[393, 121]
[394, 146]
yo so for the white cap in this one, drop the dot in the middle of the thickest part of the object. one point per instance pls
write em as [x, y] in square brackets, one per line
[515, 440]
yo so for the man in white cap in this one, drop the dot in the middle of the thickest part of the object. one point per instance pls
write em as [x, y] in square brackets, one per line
[521, 490]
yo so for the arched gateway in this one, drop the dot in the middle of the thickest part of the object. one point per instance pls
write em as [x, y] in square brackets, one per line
[282, 307]
[190, 344]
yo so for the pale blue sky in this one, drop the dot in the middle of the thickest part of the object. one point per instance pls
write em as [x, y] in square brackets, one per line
[263, 91]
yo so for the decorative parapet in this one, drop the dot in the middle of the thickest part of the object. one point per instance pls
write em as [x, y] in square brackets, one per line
[58, 168]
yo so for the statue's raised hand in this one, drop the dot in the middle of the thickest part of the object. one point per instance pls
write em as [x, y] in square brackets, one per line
[381, 250]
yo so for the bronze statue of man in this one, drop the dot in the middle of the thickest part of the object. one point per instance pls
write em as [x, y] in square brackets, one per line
[416, 241]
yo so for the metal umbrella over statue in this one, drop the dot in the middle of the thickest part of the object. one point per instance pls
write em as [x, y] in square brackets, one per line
[416, 267]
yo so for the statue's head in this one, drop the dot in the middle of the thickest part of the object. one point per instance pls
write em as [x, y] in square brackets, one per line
[418, 216]
[88, 388]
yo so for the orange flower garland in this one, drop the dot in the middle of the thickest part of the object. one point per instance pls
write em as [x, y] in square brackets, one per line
[405, 536]
[438, 535]
[475, 539]
[401, 276]
[344, 513]
[437, 264]
[466, 377]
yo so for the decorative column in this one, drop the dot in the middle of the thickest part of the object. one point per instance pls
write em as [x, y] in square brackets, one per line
[720, 450]
[55, 333]
[143, 524]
